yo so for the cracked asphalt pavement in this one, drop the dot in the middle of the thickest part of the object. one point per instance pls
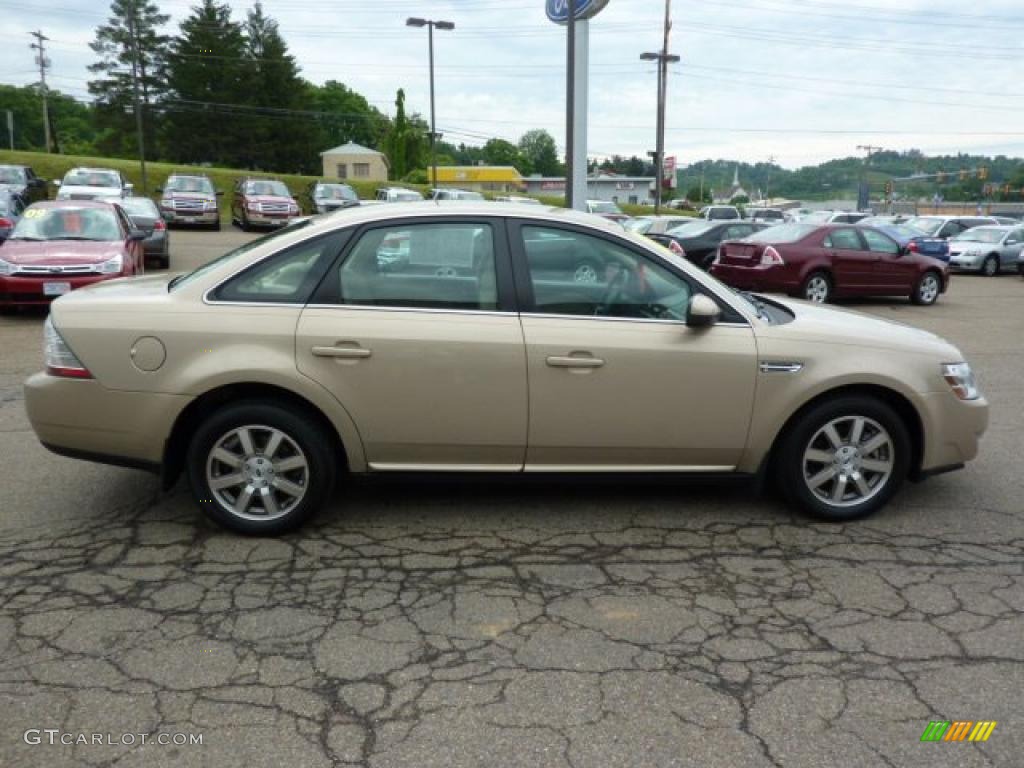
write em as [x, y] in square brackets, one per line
[445, 623]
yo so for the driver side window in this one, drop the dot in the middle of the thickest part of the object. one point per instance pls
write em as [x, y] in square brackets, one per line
[577, 274]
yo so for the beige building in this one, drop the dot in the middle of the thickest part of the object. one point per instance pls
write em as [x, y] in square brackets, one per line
[352, 162]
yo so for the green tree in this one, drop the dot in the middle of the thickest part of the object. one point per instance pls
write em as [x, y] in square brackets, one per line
[405, 143]
[205, 72]
[71, 120]
[501, 152]
[131, 35]
[540, 153]
[280, 139]
[345, 116]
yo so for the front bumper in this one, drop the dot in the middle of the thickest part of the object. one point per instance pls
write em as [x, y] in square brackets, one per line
[953, 430]
[29, 290]
[966, 261]
[270, 219]
[83, 418]
[190, 217]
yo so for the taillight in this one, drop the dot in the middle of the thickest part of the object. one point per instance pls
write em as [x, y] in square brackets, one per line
[6, 223]
[58, 357]
[160, 225]
[676, 248]
[771, 258]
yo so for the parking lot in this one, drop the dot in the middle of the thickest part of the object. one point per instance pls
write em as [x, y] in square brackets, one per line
[538, 623]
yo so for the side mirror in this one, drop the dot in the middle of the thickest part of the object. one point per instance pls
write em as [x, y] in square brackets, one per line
[702, 312]
[136, 234]
[219, 193]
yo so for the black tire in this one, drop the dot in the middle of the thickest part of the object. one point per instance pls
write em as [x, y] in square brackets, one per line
[805, 433]
[820, 284]
[244, 223]
[926, 293]
[990, 266]
[304, 439]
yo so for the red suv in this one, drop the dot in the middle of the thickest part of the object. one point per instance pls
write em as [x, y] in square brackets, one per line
[263, 203]
[819, 262]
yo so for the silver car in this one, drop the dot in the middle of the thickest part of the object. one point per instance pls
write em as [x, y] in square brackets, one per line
[93, 184]
[987, 250]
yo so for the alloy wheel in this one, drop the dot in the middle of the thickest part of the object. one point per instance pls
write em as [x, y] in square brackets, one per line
[848, 461]
[816, 289]
[928, 291]
[257, 472]
[990, 267]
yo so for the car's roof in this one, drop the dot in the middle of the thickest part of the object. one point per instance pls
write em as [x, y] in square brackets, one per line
[187, 175]
[105, 204]
[93, 169]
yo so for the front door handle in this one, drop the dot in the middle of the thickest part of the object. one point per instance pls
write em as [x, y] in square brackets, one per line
[575, 362]
[342, 353]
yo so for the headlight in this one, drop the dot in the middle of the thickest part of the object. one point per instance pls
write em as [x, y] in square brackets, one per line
[167, 203]
[960, 378]
[111, 266]
[6, 268]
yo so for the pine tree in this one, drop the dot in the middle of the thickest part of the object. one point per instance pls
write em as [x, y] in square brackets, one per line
[130, 36]
[206, 75]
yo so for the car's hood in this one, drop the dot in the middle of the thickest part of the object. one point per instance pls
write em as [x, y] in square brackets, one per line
[963, 246]
[59, 252]
[67, 190]
[268, 199]
[830, 325]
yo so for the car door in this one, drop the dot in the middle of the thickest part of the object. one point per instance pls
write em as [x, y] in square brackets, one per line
[617, 380]
[894, 271]
[853, 265]
[1011, 250]
[422, 347]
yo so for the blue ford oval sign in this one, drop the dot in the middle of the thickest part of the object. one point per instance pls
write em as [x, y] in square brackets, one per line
[558, 10]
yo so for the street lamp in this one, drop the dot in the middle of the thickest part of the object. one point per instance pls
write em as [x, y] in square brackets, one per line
[664, 59]
[430, 25]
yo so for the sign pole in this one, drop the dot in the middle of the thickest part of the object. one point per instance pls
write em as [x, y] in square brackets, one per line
[580, 110]
[570, 105]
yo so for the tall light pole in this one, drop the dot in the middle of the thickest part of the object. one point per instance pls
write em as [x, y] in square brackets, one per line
[430, 24]
[44, 63]
[664, 58]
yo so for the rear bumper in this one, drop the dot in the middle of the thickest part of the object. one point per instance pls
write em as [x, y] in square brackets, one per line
[155, 245]
[757, 278]
[84, 419]
[29, 290]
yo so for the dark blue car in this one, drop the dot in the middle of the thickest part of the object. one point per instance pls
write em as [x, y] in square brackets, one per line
[913, 240]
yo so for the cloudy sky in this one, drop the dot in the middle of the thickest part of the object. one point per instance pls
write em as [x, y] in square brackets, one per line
[799, 80]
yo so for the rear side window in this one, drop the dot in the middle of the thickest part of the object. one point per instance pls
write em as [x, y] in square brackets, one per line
[844, 240]
[423, 266]
[879, 243]
[288, 277]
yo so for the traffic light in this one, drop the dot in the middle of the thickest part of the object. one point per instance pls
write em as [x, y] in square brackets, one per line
[983, 172]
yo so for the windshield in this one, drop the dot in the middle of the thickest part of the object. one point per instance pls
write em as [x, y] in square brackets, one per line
[275, 188]
[11, 175]
[92, 179]
[692, 229]
[67, 224]
[982, 235]
[335, 192]
[182, 280]
[925, 225]
[783, 233]
[139, 206]
[602, 207]
[197, 185]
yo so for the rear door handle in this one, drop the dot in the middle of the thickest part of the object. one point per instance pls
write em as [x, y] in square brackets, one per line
[342, 353]
[575, 362]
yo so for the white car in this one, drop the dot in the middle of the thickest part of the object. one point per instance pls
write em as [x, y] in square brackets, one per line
[93, 184]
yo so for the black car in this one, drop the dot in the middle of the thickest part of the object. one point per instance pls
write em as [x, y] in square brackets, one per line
[328, 196]
[22, 180]
[146, 216]
[698, 240]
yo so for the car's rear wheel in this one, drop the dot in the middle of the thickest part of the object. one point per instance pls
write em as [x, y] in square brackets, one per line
[990, 266]
[817, 288]
[927, 289]
[260, 469]
[845, 458]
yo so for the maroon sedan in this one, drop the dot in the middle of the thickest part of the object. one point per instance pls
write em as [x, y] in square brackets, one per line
[818, 263]
[61, 245]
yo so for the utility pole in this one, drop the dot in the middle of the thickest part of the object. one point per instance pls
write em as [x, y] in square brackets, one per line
[44, 63]
[570, 106]
[135, 96]
[768, 183]
[864, 189]
[664, 58]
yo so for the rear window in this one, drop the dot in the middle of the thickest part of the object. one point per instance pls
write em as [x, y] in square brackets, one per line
[275, 188]
[139, 206]
[783, 233]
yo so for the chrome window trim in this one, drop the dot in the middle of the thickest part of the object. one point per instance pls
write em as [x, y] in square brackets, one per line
[424, 310]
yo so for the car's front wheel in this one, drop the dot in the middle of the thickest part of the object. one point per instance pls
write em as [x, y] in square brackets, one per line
[844, 458]
[927, 289]
[990, 266]
[260, 469]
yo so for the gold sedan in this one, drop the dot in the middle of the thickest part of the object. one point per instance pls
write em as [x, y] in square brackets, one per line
[487, 338]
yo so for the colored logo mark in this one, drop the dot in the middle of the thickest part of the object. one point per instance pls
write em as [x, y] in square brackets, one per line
[958, 730]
